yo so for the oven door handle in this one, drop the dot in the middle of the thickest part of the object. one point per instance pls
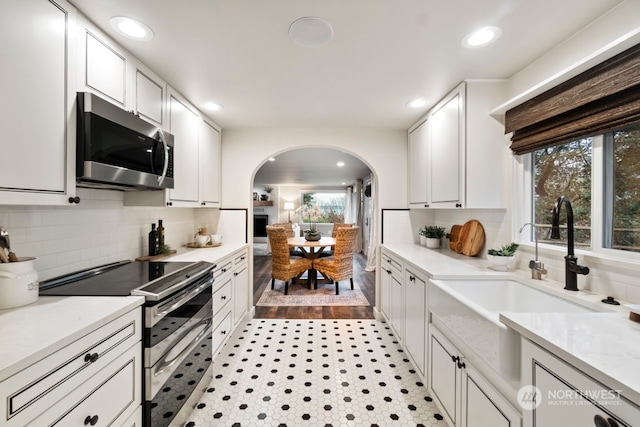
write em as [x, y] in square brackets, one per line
[164, 309]
[163, 369]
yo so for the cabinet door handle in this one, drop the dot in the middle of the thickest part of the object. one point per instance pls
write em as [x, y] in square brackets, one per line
[224, 297]
[91, 420]
[461, 365]
[388, 271]
[412, 278]
[91, 358]
[223, 332]
[458, 205]
[455, 359]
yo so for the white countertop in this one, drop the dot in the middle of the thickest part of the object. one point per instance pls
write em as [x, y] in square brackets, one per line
[29, 333]
[605, 346]
[443, 263]
[212, 255]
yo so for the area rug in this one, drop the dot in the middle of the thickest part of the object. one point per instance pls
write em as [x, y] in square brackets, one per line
[299, 295]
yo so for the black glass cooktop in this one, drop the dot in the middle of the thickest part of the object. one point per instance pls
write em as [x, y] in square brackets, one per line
[119, 279]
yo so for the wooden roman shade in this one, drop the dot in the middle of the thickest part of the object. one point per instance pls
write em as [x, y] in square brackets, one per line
[601, 99]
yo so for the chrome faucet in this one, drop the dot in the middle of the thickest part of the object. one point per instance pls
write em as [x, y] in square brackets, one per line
[571, 267]
[537, 267]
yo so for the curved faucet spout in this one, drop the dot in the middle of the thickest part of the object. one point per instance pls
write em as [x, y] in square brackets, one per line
[571, 267]
[555, 223]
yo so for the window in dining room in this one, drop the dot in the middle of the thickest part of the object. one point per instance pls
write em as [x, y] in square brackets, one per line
[323, 206]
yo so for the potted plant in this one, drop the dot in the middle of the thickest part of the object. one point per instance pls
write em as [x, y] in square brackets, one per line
[312, 234]
[268, 189]
[501, 257]
[433, 235]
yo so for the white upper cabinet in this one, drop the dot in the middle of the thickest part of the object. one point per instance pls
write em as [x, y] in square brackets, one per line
[184, 123]
[418, 165]
[38, 129]
[210, 148]
[149, 97]
[458, 157]
[447, 146]
[103, 66]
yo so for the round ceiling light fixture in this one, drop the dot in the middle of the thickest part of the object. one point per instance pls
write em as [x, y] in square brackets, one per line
[417, 103]
[481, 37]
[131, 28]
[212, 106]
[311, 31]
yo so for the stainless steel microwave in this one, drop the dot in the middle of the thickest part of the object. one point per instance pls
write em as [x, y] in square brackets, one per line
[116, 149]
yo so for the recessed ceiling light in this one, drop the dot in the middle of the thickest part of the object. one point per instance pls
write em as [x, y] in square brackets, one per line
[481, 37]
[344, 183]
[272, 159]
[311, 31]
[340, 164]
[131, 28]
[212, 106]
[417, 103]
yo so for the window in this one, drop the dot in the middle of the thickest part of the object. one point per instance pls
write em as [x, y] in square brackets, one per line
[323, 206]
[563, 170]
[568, 170]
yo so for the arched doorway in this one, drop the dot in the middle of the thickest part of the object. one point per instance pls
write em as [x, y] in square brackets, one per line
[287, 178]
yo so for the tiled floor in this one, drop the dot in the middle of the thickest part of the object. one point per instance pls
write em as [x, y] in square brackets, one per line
[314, 373]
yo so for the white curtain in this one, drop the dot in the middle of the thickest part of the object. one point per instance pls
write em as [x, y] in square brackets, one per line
[348, 206]
[358, 218]
[373, 226]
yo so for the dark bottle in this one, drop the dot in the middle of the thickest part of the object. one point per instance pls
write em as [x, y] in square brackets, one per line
[160, 236]
[153, 240]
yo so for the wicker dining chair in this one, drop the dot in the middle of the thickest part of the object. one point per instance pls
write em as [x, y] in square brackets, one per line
[339, 266]
[283, 266]
[336, 227]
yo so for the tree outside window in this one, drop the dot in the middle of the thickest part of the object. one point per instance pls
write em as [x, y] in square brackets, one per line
[323, 207]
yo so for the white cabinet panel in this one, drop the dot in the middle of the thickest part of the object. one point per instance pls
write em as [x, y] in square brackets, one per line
[37, 159]
[240, 286]
[483, 406]
[446, 146]
[397, 305]
[444, 378]
[418, 165]
[210, 146]
[184, 125]
[105, 69]
[415, 309]
[149, 98]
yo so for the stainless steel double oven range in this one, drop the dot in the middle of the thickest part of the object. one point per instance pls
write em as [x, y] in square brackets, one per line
[177, 327]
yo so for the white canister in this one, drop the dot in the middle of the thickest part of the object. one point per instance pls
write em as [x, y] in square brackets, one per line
[18, 283]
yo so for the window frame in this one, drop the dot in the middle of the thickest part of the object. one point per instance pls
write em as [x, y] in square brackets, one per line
[600, 183]
[327, 191]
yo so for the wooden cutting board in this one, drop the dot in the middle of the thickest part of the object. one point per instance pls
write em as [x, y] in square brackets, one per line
[471, 239]
[454, 236]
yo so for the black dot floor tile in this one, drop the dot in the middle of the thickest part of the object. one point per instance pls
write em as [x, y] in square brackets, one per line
[315, 373]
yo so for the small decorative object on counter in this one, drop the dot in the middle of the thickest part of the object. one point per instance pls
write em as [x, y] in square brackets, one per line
[501, 257]
[18, 283]
[153, 240]
[433, 235]
[160, 236]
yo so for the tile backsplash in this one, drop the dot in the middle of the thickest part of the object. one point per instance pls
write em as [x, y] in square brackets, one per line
[97, 231]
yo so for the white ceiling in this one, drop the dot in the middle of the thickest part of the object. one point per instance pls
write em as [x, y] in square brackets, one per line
[311, 166]
[384, 53]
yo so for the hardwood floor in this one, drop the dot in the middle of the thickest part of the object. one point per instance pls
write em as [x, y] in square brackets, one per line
[366, 280]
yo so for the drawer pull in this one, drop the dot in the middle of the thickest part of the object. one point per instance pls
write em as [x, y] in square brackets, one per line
[224, 270]
[223, 297]
[223, 332]
[91, 420]
[91, 358]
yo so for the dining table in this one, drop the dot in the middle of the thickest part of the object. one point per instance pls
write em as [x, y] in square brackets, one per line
[312, 249]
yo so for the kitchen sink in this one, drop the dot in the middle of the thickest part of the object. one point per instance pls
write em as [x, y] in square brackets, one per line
[470, 309]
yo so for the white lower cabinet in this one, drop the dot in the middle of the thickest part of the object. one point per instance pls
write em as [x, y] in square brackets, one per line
[94, 380]
[566, 396]
[415, 311]
[240, 285]
[392, 270]
[465, 397]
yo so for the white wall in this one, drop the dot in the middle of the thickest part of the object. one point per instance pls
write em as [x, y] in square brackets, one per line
[245, 150]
